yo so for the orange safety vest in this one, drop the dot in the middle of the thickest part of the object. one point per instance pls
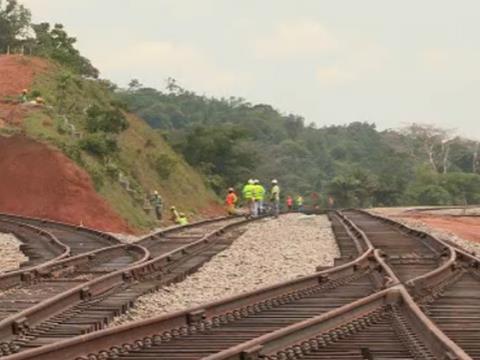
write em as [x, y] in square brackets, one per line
[231, 199]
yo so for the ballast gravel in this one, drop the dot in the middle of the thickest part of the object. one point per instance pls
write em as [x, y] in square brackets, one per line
[10, 254]
[421, 226]
[269, 252]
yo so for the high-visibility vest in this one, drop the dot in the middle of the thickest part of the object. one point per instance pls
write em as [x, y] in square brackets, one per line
[275, 193]
[248, 191]
[258, 192]
[231, 199]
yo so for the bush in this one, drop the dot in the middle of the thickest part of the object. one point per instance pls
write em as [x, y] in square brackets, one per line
[99, 144]
[163, 165]
[106, 120]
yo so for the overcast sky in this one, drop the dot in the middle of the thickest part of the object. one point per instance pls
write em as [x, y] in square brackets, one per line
[333, 62]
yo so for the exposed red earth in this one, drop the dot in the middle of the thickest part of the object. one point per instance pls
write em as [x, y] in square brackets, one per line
[38, 181]
[16, 73]
[467, 228]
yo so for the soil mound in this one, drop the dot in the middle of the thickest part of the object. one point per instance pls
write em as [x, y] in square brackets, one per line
[38, 181]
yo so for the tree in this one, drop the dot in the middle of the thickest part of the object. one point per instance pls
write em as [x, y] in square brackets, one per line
[56, 44]
[14, 23]
[432, 141]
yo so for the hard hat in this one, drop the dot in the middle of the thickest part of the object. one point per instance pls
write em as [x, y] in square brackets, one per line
[256, 181]
[181, 214]
[172, 208]
[155, 192]
[231, 189]
[24, 90]
[250, 181]
[274, 181]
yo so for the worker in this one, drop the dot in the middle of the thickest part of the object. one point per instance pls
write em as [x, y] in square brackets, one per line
[259, 195]
[157, 203]
[24, 96]
[299, 202]
[248, 196]
[275, 197]
[289, 203]
[174, 214]
[231, 201]
[182, 219]
[331, 202]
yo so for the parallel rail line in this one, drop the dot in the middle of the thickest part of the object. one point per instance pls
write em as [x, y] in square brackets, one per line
[92, 303]
[396, 293]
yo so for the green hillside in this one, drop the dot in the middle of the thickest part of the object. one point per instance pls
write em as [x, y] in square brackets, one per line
[126, 164]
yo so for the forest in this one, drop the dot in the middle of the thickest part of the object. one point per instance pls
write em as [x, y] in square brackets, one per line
[230, 140]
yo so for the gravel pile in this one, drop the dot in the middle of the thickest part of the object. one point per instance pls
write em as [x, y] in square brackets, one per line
[268, 252]
[439, 234]
[10, 254]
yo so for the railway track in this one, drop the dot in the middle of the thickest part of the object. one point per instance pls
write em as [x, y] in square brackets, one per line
[78, 238]
[365, 308]
[92, 305]
[38, 245]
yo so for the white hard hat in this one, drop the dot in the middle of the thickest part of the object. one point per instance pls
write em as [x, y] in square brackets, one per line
[250, 181]
[155, 192]
[274, 181]
[256, 181]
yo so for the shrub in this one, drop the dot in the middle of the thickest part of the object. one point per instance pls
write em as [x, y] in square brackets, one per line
[106, 120]
[99, 144]
[163, 165]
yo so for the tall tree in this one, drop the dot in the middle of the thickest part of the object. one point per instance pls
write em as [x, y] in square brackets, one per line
[14, 23]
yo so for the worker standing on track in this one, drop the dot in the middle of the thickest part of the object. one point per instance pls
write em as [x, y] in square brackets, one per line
[231, 201]
[157, 203]
[289, 203]
[248, 196]
[299, 202]
[259, 195]
[275, 197]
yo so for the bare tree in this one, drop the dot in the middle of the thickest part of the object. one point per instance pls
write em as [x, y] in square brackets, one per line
[432, 141]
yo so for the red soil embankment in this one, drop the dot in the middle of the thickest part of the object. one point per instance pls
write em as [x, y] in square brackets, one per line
[40, 182]
[467, 228]
[16, 73]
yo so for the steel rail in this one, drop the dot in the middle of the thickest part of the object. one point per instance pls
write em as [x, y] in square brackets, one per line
[24, 322]
[338, 325]
[129, 333]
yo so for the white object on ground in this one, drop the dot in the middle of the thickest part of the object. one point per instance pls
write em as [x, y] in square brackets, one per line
[10, 255]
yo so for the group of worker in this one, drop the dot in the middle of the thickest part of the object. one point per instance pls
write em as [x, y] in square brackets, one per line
[177, 217]
[254, 194]
[298, 205]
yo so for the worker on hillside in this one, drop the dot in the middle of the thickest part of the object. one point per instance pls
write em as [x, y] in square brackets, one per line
[289, 203]
[157, 204]
[248, 196]
[299, 202]
[174, 214]
[24, 96]
[182, 219]
[259, 195]
[275, 197]
[231, 201]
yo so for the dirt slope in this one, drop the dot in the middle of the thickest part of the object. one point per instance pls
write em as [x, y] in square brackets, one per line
[38, 181]
[16, 73]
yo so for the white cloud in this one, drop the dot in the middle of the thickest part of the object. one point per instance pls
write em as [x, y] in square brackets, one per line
[162, 59]
[296, 39]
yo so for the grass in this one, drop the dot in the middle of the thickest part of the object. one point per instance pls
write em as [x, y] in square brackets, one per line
[66, 93]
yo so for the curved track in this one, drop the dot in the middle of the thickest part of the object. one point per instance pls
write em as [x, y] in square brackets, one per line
[91, 306]
[366, 308]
